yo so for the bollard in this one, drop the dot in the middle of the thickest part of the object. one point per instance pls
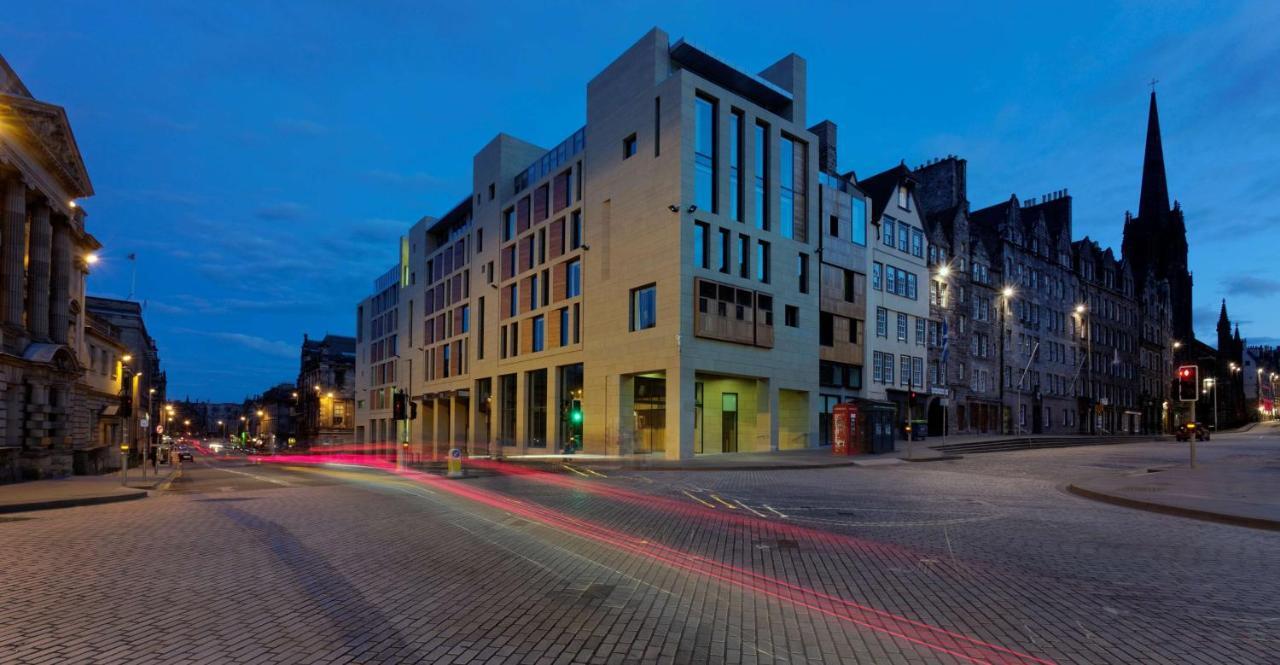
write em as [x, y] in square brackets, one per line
[455, 463]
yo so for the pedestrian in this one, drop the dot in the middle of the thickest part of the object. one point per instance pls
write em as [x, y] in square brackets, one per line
[151, 451]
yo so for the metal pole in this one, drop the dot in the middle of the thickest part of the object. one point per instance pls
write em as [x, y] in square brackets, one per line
[1215, 402]
[1000, 376]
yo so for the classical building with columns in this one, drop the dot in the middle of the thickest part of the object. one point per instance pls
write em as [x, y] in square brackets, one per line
[43, 250]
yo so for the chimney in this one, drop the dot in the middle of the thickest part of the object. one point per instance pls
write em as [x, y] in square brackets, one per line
[826, 133]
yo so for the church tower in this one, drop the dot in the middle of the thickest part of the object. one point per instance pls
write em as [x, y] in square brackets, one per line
[1156, 239]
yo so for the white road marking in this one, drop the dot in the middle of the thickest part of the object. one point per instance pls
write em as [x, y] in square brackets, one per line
[758, 513]
[775, 511]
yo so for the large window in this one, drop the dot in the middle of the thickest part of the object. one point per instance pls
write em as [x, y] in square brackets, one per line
[762, 261]
[882, 322]
[786, 187]
[575, 230]
[539, 333]
[858, 218]
[508, 224]
[902, 327]
[536, 408]
[573, 279]
[644, 307]
[704, 154]
[762, 175]
[564, 326]
[700, 254]
[735, 165]
[744, 256]
[722, 259]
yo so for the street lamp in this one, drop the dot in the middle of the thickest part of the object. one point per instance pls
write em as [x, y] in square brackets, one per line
[1081, 310]
[1005, 294]
[1213, 385]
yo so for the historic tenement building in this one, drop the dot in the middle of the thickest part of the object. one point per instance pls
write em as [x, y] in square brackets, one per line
[1034, 307]
[144, 387]
[43, 250]
[325, 393]
[964, 293]
[99, 420]
[1155, 353]
[1111, 319]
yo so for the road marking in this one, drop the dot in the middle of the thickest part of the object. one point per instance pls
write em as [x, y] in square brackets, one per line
[775, 511]
[709, 505]
[758, 513]
[575, 470]
[593, 471]
[254, 476]
[726, 504]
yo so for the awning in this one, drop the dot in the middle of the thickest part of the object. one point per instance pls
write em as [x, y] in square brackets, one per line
[109, 410]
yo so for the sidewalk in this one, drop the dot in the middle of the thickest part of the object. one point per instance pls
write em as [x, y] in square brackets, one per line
[807, 458]
[1238, 490]
[80, 490]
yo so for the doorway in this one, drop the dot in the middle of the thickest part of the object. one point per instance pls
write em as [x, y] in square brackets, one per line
[729, 422]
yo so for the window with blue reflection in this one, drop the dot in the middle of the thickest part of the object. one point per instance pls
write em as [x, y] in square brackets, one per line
[704, 149]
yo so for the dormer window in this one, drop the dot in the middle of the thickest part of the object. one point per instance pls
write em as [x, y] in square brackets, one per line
[904, 197]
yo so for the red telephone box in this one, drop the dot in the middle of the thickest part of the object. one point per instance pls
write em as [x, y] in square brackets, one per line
[846, 430]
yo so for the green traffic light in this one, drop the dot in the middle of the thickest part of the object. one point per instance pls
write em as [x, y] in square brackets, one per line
[575, 417]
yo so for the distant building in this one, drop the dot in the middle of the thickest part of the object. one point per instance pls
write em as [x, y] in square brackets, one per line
[148, 382]
[268, 419]
[98, 412]
[43, 263]
[1261, 379]
[326, 391]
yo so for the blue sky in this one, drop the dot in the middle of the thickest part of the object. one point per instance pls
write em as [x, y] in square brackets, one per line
[261, 158]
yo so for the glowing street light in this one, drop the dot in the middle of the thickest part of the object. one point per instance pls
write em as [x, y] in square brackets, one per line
[90, 258]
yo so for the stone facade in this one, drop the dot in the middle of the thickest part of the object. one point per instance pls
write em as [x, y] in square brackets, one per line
[43, 245]
[326, 391]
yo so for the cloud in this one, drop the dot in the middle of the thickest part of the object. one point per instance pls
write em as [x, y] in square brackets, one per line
[286, 210]
[1251, 285]
[261, 344]
[411, 181]
[301, 126]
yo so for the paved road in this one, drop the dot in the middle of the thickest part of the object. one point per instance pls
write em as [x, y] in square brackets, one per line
[978, 560]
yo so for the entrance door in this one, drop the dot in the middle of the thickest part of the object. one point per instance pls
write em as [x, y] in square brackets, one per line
[729, 422]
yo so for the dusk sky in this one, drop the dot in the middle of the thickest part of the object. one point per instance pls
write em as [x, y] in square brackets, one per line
[261, 158]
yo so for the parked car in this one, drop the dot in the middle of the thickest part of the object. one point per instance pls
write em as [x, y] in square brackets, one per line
[1187, 430]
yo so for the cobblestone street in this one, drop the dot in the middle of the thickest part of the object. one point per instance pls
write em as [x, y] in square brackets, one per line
[983, 559]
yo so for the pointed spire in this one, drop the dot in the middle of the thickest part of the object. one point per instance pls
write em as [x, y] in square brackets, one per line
[1154, 200]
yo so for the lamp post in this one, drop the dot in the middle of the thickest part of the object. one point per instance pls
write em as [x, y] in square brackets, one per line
[1005, 294]
[1213, 385]
[944, 274]
[1087, 334]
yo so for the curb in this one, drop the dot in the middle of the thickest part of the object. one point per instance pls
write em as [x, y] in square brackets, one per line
[71, 503]
[731, 467]
[1176, 511]
[941, 458]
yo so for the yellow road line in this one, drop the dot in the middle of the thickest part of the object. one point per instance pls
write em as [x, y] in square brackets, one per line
[575, 470]
[726, 504]
[593, 472]
[709, 505]
[758, 513]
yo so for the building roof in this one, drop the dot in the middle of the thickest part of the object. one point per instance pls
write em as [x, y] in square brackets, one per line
[881, 186]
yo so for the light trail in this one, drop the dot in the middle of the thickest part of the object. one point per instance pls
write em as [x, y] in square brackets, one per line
[941, 640]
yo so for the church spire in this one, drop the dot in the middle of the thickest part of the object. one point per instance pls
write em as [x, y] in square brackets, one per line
[1154, 201]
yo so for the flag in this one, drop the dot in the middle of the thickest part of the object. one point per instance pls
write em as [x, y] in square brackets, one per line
[133, 257]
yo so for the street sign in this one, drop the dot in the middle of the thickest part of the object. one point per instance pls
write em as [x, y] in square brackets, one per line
[159, 429]
[455, 463]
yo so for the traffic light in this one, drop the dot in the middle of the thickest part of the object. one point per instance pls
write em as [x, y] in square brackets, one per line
[399, 405]
[413, 410]
[1188, 383]
[575, 412]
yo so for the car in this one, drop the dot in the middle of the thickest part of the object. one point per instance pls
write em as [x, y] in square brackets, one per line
[1187, 430]
[184, 455]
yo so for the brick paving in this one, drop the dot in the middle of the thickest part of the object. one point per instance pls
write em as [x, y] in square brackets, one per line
[259, 564]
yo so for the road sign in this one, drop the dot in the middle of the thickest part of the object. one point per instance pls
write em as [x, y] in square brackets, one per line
[455, 463]
[159, 429]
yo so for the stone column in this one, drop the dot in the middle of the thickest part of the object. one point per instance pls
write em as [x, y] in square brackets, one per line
[38, 267]
[12, 246]
[61, 274]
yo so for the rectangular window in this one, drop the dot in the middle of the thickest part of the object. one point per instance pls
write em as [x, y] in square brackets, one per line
[762, 175]
[577, 323]
[877, 375]
[700, 254]
[644, 307]
[904, 237]
[533, 292]
[573, 279]
[539, 328]
[466, 321]
[722, 260]
[917, 372]
[887, 359]
[735, 165]
[904, 375]
[629, 146]
[792, 316]
[480, 330]
[902, 327]
[575, 230]
[508, 224]
[786, 187]
[850, 288]
[891, 279]
[920, 332]
[887, 232]
[917, 243]
[826, 329]
[762, 261]
[911, 285]
[904, 198]
[858, 221]
[876, 269]
[744, 256]
[833, 226]
[802, 272]
[704, 153]
[882, 322]
[564, 326]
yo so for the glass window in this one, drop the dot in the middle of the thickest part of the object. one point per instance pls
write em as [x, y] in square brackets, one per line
[744, 256]
[762, 175]
[891, 279]
[508, 224]
[882, 322]
[920, 332]
[700, 245]
[575, 230]
[735, 165]
[704, 154]
[859, 221]
[902, 327]
[564, 326]
[629, 146]
[887, 233]
[644, 304]
[802, 272]
[539, 328]
[904, 237]
[786, 191]
[917, 243]
[792, 316]
[722, 261]
[573, 279]
[533, 292]
[762, 261]
[876, 269]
